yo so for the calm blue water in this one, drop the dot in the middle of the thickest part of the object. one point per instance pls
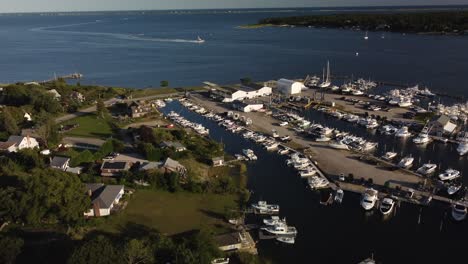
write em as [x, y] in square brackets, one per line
[140, 51]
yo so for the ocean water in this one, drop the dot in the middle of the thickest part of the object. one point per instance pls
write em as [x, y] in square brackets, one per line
[140, 50]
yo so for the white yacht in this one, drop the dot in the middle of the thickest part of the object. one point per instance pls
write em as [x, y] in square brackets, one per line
[272, 146]
[357, 92]
[281, 229]
[326, 79]
[316, 182]
[323, 138]
[200, 40]
[339, 195]
[422, 138]
[369, 198]
[389, 155]
[286, 239]
[449, 174]
[308, 172]
[368, 146]
[249, 154]
[458, 212]
[274, 220]
[386, 207]
[264, 207]
[403, 132]
[454, 188]
[366, 37]
[406, 162]
[427, 168]
[405, 102]
[274, 133]
[338, 145]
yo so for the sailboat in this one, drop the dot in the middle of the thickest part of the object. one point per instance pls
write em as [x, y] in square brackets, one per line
[326, 81]
[366, 37]
[200, 40]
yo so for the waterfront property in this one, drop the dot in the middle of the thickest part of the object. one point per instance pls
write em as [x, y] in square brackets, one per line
[236, 241]
[103, 198]
[140, 108]
[442, 125]
[289, 87]
[15, 143]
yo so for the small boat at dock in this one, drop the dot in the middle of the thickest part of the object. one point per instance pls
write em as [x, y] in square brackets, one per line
[427, 168]
[386, 207]
[449, 174]
[403, 132]
[369, 199]
[406, 162]
[454, 188]
[459, 212]
[339, 195]
[286, 239]
[274, 220]
[264, 208]
[281, 229]
[388, 156]
[316, 182]
[249, 154]
[338, 145]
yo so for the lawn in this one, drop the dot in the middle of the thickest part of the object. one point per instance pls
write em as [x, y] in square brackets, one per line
[172, 213]
[90, 126]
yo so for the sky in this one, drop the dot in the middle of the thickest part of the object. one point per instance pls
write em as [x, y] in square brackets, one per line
[7, 6]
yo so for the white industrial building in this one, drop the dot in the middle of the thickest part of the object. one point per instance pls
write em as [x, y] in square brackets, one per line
[247, 106]
[231, 94]
[289, 87]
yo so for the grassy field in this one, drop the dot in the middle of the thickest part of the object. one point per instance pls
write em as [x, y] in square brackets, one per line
[90, 126]
[172, 213]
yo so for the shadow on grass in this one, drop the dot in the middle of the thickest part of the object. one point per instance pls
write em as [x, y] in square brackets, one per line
[212, 214]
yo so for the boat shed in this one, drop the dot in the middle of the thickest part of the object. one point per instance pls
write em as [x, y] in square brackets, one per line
[247, 106]
[238, 93]
[443, 125]
[289, 87]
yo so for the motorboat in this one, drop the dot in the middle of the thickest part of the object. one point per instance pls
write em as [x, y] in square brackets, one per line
[357, 92]
[454, 188]
[285, 138]
[307, 172]
[220, 261]
[282, 150]
[199, 40]
[368, 146]
[369, 198]
[406, 162]
[286, 239]
[249, 154]
[462, 148]
[405, 102]
[316, 182]
[427, 168]
[389, 155]
[274, 220]
[275, 133]
[422, 138]
[449, 174]
[459, 212]
[323, 138]
[339, 194]
[338, 145]
[386, 207]
[366, 37]
[281, 229]
[265, 208]
[272, 146]
[403, 132]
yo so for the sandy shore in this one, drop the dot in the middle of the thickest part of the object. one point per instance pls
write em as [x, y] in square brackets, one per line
[333, 162]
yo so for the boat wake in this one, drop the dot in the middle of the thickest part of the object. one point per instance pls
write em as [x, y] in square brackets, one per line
[136, 37]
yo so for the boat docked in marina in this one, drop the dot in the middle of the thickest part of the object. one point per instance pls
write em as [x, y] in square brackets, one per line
[281, 229]
[249, 154]
[339, 195]
[426, 169]
[317, 182]
[388, 156]
[423, 136]
[338, 145]
[459, 212]
[403, 132]
[369, 199]
[285, 138]
[462, 148]
[386, 206]
[274, 220]
[449, 174]
[286, 239]
[308, 172]
[272, 146]
[454, 188]
[323, 138]
[406, 162]
[264, 208]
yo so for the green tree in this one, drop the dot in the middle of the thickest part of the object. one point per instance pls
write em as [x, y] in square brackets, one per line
[164, 83]
[99, 250]
[101, 109]
[10, 248]
[49, 133]
[10, 123]
[84, 157]
[138, 251]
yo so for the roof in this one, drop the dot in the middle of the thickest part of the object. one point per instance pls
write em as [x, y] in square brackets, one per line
[246, 103]
[228, 239]
[16, 139]
[172, 144]
[59, 161]
[75, 170]
[150, 165]
[114, 165]
[104, 195]
[54, 93]
[443, 120]
[172, 164]
[6, 145]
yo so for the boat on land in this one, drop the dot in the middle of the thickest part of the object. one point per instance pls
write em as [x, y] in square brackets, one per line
[389, 155]
[449, 174]
[326, 79]
[286, 239]
[369, 199]
[264, 208]
[427, 168]
[406, 162]
[386, 207]
[459, 212]
[338, 145]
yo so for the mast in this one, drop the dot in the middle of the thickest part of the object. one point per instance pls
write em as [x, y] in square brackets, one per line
[328, 71]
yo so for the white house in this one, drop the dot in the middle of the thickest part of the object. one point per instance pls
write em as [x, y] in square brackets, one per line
[231, 94]
[15, 143]
[103, 198]
[55, 94]
[247, 107]
[289, 87]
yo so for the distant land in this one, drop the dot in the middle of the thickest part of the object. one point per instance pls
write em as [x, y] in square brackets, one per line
[447, 22]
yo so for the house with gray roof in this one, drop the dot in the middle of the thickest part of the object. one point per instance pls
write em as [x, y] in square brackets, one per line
[15, 143]
[171, 165]
[177, 146]
[60, 163]
[103, 198]
[114, 168]
[442, 125]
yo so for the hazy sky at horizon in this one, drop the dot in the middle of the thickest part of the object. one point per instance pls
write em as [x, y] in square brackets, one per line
[93, 5]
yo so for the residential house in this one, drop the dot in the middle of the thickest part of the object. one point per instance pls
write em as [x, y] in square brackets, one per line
[15, 143]
[79, 97]
[148, 165]
[60, 163]
[442, 125]
[75, 170]
[170, 165]
[229, 242]
[177, 146]
[103, 198]
[136, 109]
[218, 161]
[114, 168]
[55, 94]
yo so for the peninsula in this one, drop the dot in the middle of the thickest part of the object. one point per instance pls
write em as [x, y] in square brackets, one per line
[448, 22]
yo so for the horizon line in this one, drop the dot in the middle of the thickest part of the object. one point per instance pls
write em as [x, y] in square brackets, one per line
[240, 8]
